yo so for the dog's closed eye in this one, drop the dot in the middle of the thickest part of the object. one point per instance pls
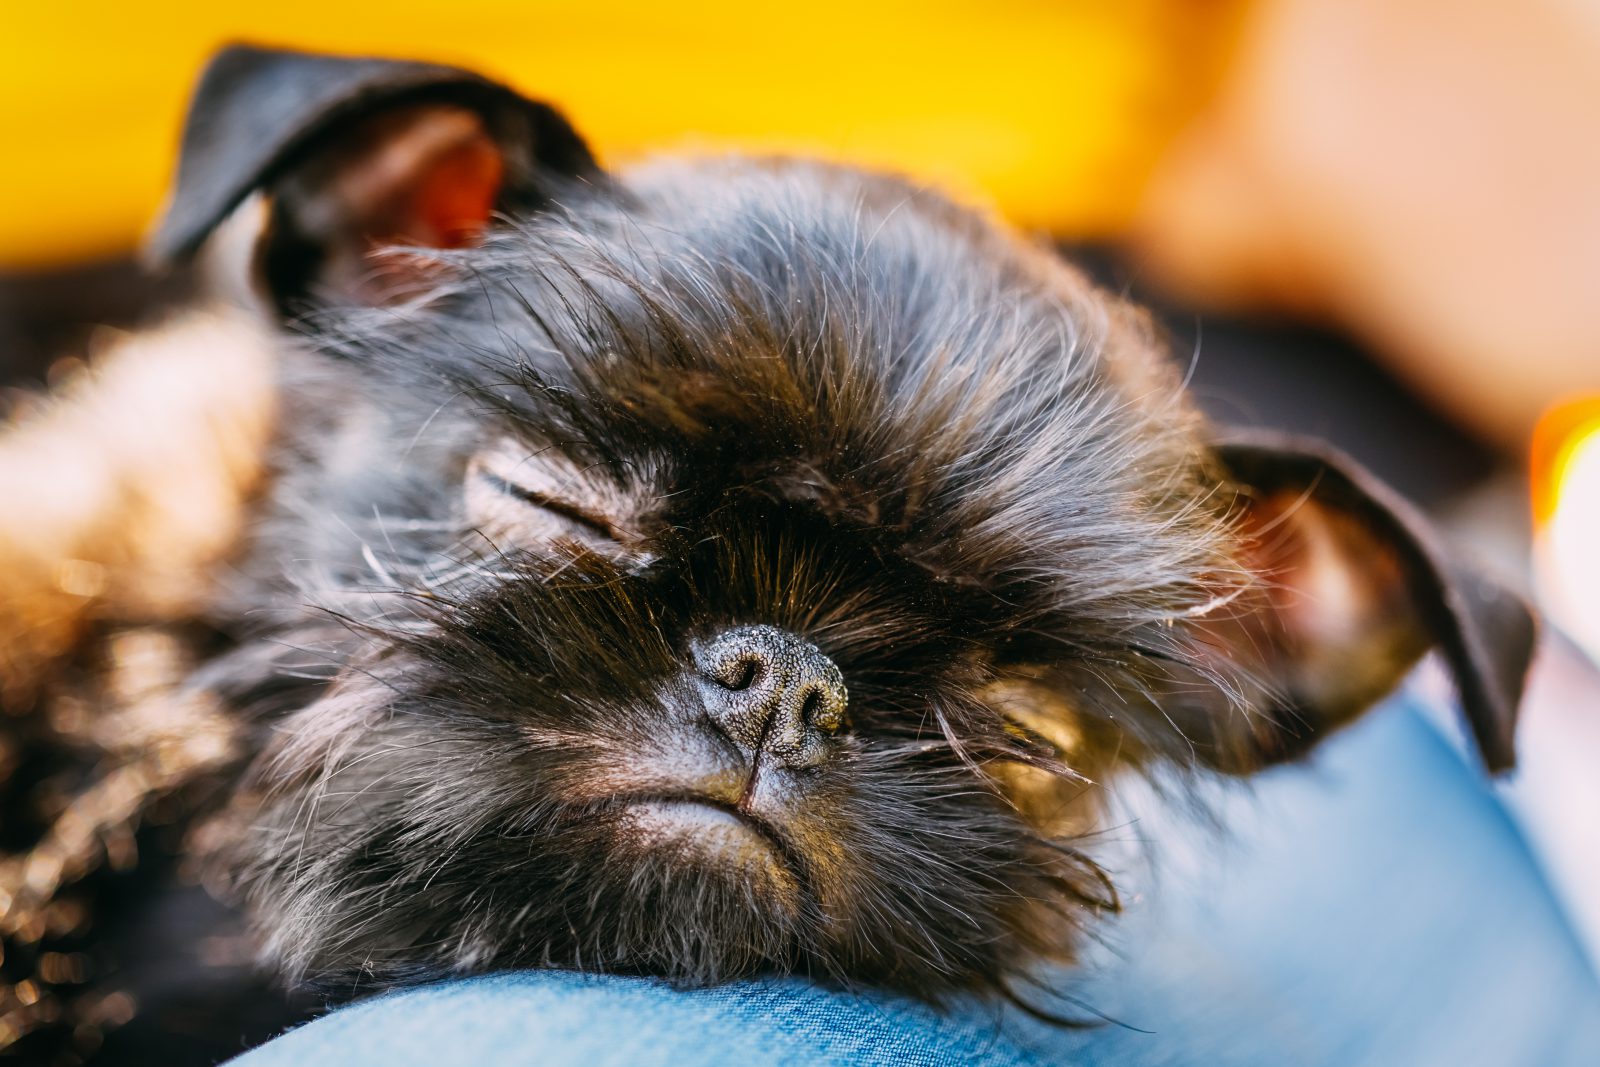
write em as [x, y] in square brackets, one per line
[522, 497]
[555, 506]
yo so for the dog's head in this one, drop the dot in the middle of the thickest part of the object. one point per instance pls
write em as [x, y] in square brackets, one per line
[737, 566]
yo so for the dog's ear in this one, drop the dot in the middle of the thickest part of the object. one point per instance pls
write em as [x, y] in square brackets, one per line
[322, 161]
[1353, 587]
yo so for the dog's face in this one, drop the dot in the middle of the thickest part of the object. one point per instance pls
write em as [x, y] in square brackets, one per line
[800, 537]
[746, 567]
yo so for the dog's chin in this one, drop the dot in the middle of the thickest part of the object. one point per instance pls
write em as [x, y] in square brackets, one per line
[719, 839]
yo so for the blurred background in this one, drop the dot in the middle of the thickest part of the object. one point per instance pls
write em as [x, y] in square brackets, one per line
[1374, 221]
[1373, 218]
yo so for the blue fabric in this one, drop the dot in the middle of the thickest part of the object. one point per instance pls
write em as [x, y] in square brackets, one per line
[1376, 906]
[551, 1018]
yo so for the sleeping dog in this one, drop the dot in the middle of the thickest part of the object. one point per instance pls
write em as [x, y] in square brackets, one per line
[717, 568]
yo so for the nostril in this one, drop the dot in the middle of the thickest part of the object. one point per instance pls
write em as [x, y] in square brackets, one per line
[741, 674]
[735, 669]
[810, 706]
[821, 708]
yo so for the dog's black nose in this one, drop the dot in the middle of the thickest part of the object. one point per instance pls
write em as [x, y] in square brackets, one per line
[772, 693]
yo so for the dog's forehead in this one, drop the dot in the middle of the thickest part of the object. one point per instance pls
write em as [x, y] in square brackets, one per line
[852, 336]
[857, 245]
[736, 295]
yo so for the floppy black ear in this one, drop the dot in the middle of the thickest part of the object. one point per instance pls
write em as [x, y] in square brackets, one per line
[1357, 586]
[351, 155]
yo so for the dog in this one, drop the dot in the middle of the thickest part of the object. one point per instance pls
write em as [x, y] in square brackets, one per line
[718, 568]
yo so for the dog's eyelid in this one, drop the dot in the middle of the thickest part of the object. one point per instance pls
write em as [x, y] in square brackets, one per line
[566, 509]
[527, 494]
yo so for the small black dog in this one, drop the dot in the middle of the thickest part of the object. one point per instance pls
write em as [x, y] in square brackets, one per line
[733, 567]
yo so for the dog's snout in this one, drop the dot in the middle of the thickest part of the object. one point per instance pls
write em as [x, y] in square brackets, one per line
[772, 693]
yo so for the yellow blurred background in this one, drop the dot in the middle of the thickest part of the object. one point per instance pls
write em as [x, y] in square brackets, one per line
[1054, 111]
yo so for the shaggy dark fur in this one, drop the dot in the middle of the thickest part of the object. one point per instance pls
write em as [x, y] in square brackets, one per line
[819, 401]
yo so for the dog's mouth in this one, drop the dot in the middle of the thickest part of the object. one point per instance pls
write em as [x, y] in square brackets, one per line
[713, 831]
[697, 815]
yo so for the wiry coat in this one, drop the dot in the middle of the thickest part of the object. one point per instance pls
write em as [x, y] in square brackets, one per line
[809, 398]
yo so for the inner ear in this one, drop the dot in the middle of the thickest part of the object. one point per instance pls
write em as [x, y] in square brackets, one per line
[1351, 587]
[1336, 618]
[309, 176]
[420, 177]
